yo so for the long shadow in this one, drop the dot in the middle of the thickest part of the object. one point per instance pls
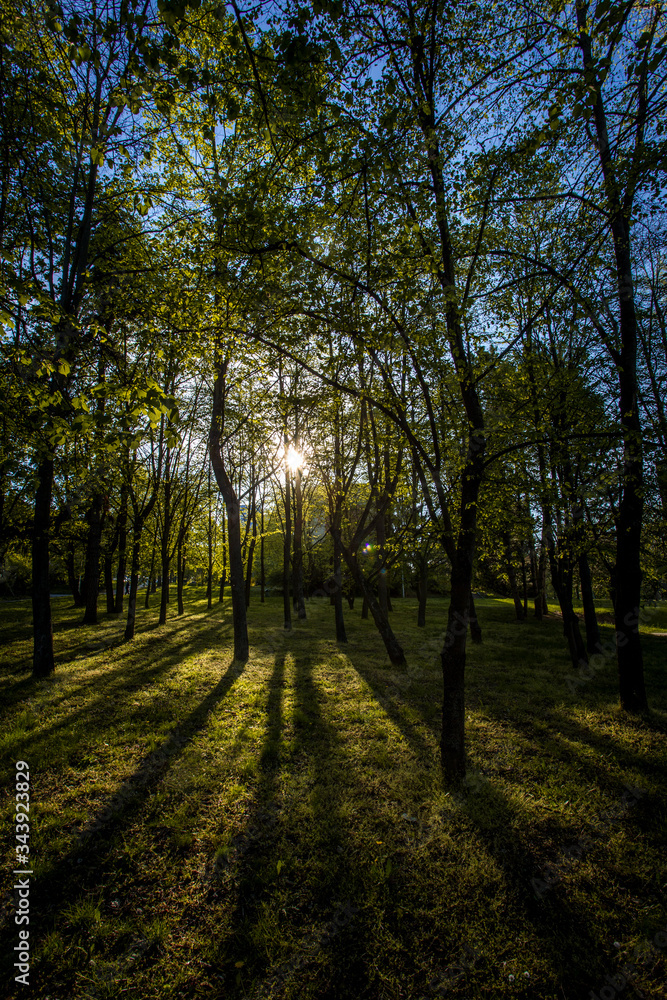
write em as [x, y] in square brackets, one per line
[314, 747]
[391, 702]
[81, 868]
[252, 849]
[117, 689]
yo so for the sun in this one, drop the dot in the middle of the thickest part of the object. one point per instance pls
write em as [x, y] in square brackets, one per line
[294, 458]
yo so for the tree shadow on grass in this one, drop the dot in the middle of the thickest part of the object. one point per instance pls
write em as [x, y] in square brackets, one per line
[306, 829]
[81, 867]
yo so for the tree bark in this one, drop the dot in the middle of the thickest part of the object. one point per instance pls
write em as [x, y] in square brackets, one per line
[251, 550]
[165, 555]
[151, 583]
[262, 573]
[134, 581]
[297, 549]
[514, 590]
[122, 551]
[422, 586]
[180, 576]
[223, 575]
[391, 643]
[287, 544]
[383, 590]
[108, 584]
[42, 661]
[475, 627]
[590, 617]
[72, 579]
[92, 584]
[561, 564]
[341, 634]
[233, 507]
[627, 605]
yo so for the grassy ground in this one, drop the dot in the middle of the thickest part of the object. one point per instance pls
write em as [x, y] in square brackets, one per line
[201, 829]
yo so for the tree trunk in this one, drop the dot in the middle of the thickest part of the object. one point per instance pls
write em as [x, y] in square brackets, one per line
[42, 661]
[151, 583]
[122, 552]
[287, 545]
[535, 579]
[92, 584]
[560, 561]
[251, 552]
[364, 606]
[590, 617]
[262, 574]
[108, 584]
[134, 581]
[209, 568]
[341, 634]
[297, 567]
[524, 583]
[475, 627]
[514, 590]
[180, 576]
[72, 579]
[165, 555]
[223, 575]
[233, 507]
[391, 643]
[630, 513]
[422, 588]
[383, 590]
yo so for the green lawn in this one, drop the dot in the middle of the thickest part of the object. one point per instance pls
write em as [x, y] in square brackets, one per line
[281, 829]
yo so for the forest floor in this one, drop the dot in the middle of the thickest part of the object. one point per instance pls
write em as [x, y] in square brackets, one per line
[281, 829]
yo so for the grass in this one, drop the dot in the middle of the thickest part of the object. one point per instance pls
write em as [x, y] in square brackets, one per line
[281, 829]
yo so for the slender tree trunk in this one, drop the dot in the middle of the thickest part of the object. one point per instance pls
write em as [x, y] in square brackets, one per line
[391, 643]
[251, 549]
[72, 579]
[297, 569]
[209, 570]
[122, 551]
[248, 579]
[223, 575]
[535, 579]
[627, 605]
[233, 507]
[93, 560]
[108, 584]
[42, 662]
[593, 639]
[514, 590]
[475, 627]
[383, 590]
[180, 576]
[165, 555]
[341, 634]
[422, 589]
[134, 581]
[151, 583]
[262, 573]
[287, 545]
[524, 583]
[560, 561]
